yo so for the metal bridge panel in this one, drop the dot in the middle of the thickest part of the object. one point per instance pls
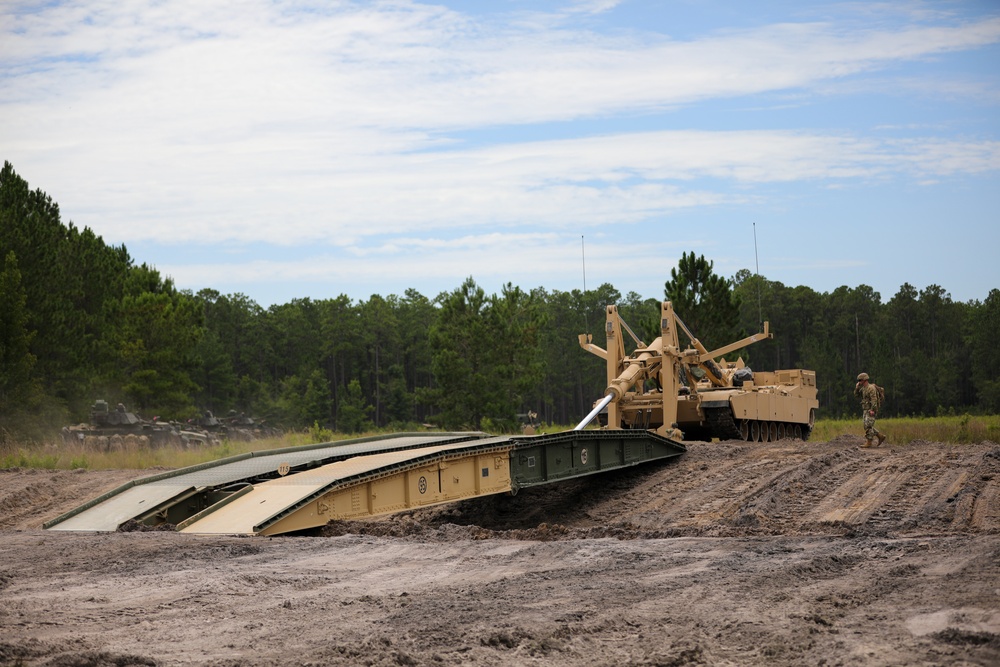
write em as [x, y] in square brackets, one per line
[272, 497]
[143, 493]
[543, 459]
[118, 509]
[439, 481]
[267, 464]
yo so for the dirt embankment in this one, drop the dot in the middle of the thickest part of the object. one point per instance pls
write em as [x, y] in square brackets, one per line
[783, 553]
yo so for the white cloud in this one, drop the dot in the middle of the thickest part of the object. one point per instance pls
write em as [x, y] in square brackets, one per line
[201, 70]
[362, 129]
[264, 194]
[526, 259]
[593, 6]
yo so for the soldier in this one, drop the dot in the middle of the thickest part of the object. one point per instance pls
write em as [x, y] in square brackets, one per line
[675, 433]
[870, 405]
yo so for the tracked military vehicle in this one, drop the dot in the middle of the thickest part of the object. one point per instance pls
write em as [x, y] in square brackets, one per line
[118, 429]
[695, 394]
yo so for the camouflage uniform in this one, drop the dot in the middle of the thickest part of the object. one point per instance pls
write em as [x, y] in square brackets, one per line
[869, 408]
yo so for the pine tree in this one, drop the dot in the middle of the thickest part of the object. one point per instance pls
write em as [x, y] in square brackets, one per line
[704, 301]
[354, 413]
[16, 360]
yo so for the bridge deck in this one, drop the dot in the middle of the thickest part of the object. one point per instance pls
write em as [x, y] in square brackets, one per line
[145, 495]
[298, 488]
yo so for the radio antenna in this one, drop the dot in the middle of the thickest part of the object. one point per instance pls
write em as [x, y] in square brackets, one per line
[583, 258]
[760, 310]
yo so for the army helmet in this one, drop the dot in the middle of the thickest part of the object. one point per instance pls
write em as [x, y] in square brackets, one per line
[862, 376]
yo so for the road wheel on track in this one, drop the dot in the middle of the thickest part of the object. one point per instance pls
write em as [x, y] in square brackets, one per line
[772, 432]
[744, 430]
[781, 430]
[755, 431]
[798, 431]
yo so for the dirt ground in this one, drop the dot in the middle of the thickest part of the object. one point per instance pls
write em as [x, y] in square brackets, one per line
[783, 553]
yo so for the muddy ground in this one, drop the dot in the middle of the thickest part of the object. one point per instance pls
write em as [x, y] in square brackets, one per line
[783, 553]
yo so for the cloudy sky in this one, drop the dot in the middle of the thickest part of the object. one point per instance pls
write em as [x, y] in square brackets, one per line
[311, 148]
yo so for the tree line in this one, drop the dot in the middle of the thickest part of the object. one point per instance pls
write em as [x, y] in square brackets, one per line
[81, 320]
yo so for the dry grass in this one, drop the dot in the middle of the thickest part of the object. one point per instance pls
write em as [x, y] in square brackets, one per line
[64, 456]
[957, 430]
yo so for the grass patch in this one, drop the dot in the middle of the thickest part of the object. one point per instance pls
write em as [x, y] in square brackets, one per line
[959, 430]
[963, 429]
[72, 456]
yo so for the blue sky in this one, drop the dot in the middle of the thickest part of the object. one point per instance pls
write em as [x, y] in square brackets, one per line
[311, 149]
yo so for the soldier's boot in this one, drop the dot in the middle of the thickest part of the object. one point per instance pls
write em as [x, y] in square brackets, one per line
[881, 438]
[868, 443]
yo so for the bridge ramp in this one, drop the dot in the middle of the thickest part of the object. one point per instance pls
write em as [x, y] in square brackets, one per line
[363, 486]
[145, 496]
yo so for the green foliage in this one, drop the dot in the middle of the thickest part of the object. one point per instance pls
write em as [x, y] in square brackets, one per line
[16, 360]
[983, 337]
[514, 360]
[487, 355]
[304, 399]
[925, 349]
[79, 320]
[71, 279]
[157, 335]
[354, 412]
[704, 301]
[30, 458]
[459, 339]
[318, 434]
[74, 456]
[213, 372]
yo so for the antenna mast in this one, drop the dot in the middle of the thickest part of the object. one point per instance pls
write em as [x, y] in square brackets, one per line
[583, 257]
[760, 310]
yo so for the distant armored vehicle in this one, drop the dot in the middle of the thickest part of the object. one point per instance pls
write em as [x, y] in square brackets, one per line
[112, 430]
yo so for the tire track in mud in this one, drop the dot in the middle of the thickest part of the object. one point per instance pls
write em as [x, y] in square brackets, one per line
[788, 499]
[977, 502]
[863, 494]
[922, 501]
[926, 488]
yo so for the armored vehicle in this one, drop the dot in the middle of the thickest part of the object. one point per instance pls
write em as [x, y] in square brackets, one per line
[120, 429]
[695, 394]
[242, 427]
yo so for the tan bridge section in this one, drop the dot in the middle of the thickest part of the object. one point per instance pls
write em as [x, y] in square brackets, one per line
[363, 486]
[175, 496]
